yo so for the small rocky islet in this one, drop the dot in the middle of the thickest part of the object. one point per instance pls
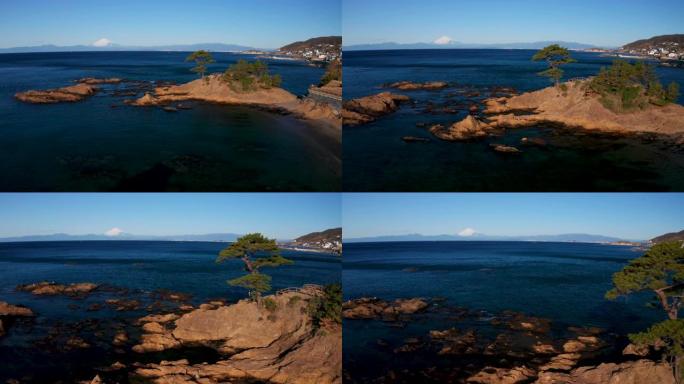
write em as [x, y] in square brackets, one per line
[506, 348]
[177, 342]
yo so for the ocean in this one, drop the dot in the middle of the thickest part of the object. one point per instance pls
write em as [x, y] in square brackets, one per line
[100, 144]
[563, 282]
[128, 270]
[376, 159]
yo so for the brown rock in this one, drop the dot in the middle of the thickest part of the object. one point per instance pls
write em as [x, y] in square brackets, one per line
[46, 288]
[636, 350]
[153, 328]
[466, 129]
[505, 149]
[10, 310]
[411, 86]
[634, 372]
[159, 318]
[366, 109]
[66, 94]
[120, 338]
[94, 81]
[491, 375]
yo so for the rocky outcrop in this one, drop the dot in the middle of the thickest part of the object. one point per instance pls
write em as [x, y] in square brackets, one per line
[634, 372]
[577, 107]
[95, 81]
[214, 89]
[280, 345]
[9, 312]
[491, 375]
[370, 308]
[466, 129]
[50, 96]
[411, 86]
[366, 109]
[46, 288]
[504, 148]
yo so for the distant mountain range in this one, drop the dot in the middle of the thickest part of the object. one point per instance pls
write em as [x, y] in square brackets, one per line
[457, 45]
[568, 237]
[214, 47]
[222, 237]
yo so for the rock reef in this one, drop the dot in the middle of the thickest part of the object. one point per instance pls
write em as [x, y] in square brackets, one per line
[411, 86]
[366, 109]
[371, 308]
[71, 93]
[46, 288]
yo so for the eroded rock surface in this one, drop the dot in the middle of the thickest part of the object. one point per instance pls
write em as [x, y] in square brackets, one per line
[366, 109]
[577, 107]
[466, 129]
[50, 96]
[276, 346]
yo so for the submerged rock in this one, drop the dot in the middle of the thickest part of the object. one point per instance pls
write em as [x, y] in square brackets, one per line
[414, 139]
[504, 148]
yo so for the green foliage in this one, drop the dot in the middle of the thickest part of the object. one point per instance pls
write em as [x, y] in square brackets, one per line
[333, 72]
[328, 306]
[555, 56]
[251, 76]
[201, 58]
[270, 304]
[660, 270]
[257, 283]
[256, 251]
[624, 86]
[249, 245]
[668, 335]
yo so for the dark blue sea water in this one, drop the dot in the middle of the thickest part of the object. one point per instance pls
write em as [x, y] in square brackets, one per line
[376, 159]
[134, 270]
[91, 146]
[564, 282]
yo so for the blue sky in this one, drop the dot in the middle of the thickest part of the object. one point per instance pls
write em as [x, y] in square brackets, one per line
[599, 22]
[623, 215]
[257, 23]
[279, 215]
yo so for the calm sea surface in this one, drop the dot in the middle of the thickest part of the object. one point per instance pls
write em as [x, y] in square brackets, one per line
[91, 146]
[132, 270]
[564, 282]
[375, 157]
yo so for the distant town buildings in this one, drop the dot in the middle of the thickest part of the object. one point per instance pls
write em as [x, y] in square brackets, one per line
[668, 50]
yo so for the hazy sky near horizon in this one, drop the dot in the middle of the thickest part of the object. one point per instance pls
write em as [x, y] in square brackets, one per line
[256, 23]
[624, 215]
[279, 215]
[602, 23]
